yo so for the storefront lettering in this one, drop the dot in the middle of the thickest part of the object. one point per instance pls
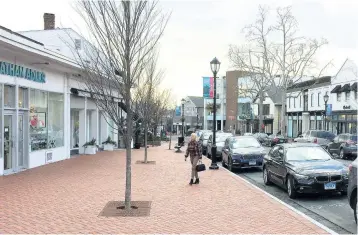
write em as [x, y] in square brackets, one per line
[21, 72]
[346, 107]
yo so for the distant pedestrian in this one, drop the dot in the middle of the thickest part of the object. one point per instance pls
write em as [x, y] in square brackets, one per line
[195, 152]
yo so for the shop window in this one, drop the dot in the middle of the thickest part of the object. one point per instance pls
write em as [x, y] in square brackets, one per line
[38, 120]
[339, 95]
[22, 96]
[342, 117]
[348, 94]
[318, 98]
[294, 102]
[300, 101]
[289, 102]
[9, 96]
[355, 95]
[55, 120]
[312, 100]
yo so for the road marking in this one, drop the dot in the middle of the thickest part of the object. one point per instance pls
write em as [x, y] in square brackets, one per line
[285, 204]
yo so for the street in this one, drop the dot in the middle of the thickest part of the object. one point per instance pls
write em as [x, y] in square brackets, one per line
[332, 211]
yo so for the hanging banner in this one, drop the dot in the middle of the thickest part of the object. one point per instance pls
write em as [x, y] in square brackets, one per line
[177, 111]
[329, 110]
[208, 87]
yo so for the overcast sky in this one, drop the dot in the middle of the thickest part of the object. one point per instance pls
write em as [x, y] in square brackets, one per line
[200, 30]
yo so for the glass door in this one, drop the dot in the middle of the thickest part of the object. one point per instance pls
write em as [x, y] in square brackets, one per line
[21, 140]
[75, 123]
[9, 146]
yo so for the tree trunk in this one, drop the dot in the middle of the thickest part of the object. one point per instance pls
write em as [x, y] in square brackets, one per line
[261, 109]
[145, 142]
[283, 114]
[128, 191]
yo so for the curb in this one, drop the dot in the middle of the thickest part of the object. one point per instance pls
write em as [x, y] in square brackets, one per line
[330, 231]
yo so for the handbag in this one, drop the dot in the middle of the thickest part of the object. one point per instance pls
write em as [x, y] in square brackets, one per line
[200, 166]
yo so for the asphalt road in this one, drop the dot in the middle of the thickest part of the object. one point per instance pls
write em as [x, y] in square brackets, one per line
[332, 211]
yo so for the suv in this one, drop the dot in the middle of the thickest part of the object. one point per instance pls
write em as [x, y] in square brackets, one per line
[320, 137]
[344, 145]
[352, 187]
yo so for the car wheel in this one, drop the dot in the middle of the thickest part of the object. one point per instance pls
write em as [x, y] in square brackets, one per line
[290, 190]
[266, 177]
[341, 154]
[355, 208]
[229, 164]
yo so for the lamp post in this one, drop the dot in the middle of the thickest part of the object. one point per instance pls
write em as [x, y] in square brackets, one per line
[182, 118]
[215, 66]
[197, 118]
[325, 99]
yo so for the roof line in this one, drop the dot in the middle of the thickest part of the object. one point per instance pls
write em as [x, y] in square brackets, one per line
[20, 35]
[341, 68]
[37, 30]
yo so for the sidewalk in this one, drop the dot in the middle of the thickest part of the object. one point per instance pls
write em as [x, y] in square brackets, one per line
[67, 197]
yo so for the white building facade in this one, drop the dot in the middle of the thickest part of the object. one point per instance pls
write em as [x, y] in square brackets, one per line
[343, 100]
[44, 114]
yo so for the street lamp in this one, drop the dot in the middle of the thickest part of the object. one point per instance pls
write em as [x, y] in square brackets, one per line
[197, 118]
[215, 66]
[325, 99]
[182, 118]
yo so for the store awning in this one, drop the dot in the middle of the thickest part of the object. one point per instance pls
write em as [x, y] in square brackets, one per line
[346, 88]
[336, 89]
[354, 87]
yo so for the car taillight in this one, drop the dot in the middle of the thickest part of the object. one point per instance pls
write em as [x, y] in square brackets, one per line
[350, 168]
[315, 141]
[275, 140]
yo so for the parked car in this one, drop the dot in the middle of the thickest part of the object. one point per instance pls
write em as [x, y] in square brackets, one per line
[220, 140]
[320, 137]
[204, 141]
[304, 168]
[343, 145]
[248, 134]
[242, 152]
[352, 187]
[261, 137]
[272, 140]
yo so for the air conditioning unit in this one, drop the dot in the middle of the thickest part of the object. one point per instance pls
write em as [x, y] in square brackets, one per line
[48, 157]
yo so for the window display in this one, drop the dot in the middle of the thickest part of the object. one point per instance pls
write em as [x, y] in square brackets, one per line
[55, 120]
[38, 120]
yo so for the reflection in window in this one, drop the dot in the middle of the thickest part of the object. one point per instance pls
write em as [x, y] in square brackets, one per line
[38, 120]
[339, 97]
[9, 96]
[55, 120]
[22, 97]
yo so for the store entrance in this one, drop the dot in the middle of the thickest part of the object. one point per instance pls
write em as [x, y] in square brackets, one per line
[9, 146]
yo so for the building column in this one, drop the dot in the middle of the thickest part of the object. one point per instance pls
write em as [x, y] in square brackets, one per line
[94, 125]
[67, 120]
[82, 128]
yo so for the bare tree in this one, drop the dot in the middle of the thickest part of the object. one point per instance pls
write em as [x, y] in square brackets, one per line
[124, 33]
[145, 97]
[294, 56]
[255, 61]
[280, 63]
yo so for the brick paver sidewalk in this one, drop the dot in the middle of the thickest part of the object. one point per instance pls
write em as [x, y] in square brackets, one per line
[67, 196]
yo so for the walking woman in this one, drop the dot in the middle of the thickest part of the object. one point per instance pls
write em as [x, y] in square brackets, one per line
[195, 152]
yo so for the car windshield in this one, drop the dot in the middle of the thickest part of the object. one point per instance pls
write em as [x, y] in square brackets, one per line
[245, 143]
[353, 137]
[307, 154]
[324, 135]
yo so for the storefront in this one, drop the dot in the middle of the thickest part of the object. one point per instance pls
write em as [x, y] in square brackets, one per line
[344, 122]
[41, 120]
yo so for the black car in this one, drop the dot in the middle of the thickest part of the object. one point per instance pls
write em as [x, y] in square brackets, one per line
[304, 168]
[242, 152]
[272, 140]
[352, 188]
[344, 145]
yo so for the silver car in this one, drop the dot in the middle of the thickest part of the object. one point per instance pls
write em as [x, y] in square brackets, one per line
[204, 137]
[320, 137]
[220, 141]
[352, 188]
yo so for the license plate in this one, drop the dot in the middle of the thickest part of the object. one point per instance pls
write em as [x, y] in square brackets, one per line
[252, 163]
[330, 185]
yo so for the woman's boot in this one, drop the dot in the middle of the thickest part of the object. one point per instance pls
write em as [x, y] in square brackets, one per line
[196, 181]
[191, 182]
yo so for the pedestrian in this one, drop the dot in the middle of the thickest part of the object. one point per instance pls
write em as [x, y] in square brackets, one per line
[195, 152]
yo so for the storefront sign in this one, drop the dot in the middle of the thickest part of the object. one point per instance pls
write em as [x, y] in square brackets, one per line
[346, 107]
[15, 70]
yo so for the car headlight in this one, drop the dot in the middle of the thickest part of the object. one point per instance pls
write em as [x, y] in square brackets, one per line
[345, 175]
[303, 179]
